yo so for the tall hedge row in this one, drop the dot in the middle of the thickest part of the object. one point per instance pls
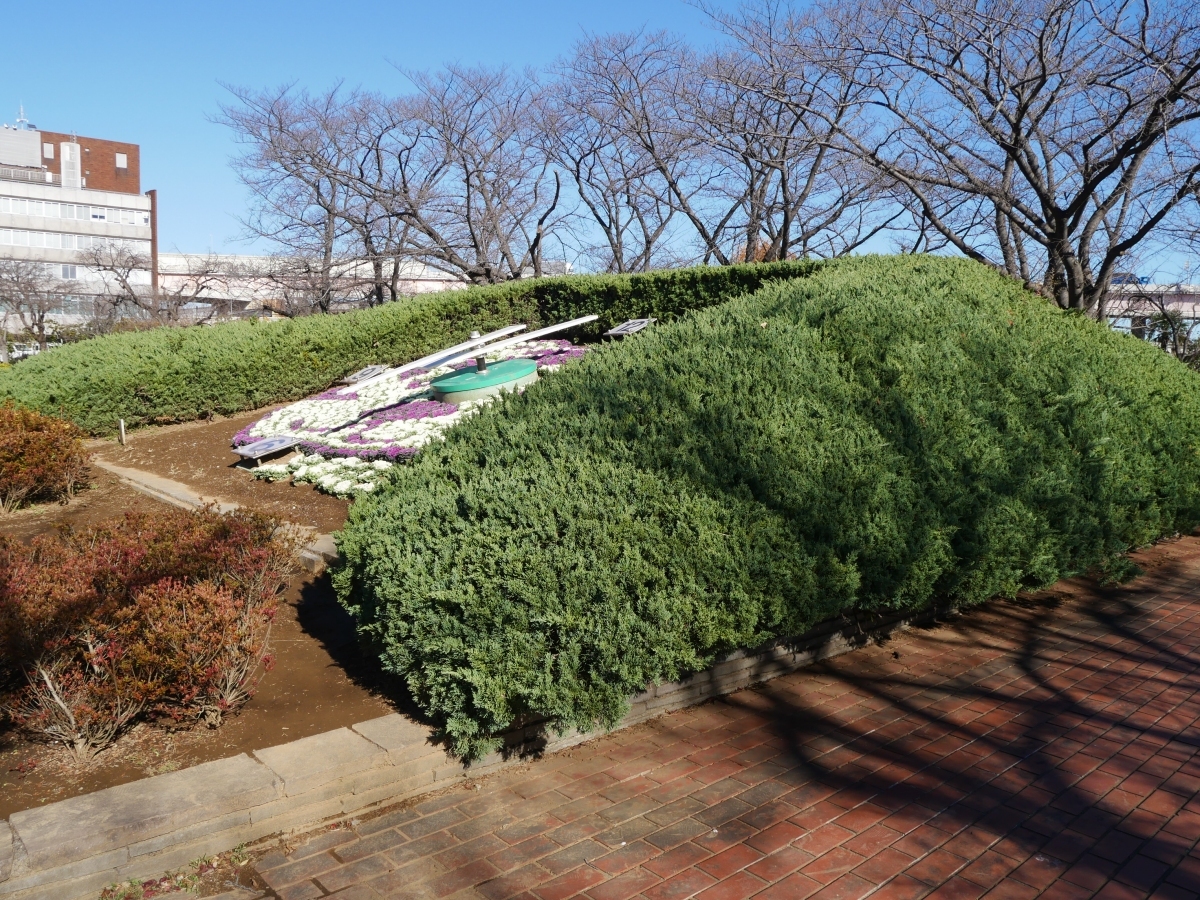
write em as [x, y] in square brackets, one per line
[887, 432]
[178, 374]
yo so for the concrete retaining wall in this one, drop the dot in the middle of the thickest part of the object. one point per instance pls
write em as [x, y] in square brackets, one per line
[73, 848]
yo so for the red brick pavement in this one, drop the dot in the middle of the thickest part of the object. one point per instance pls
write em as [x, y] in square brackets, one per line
[1035, 748]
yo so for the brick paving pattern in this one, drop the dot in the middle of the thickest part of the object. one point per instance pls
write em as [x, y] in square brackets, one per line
[1040, 748]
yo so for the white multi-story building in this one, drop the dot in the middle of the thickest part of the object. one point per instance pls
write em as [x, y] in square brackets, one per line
[60, 194]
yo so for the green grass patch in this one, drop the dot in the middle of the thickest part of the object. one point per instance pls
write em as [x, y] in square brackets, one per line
[179, 374]
[886, 433]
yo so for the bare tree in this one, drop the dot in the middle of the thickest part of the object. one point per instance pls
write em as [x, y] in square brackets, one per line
[294, 164]
[379, 240]
[117, 267]
[785, 189]
[193, 294]
[452, 175]
[4, 357]
[124, 273]
[618, 183]
[297, 286]
[459, 164]
[1162, 314]
[1050, 138]
[728, 141]
[638, 82]
[29, 294]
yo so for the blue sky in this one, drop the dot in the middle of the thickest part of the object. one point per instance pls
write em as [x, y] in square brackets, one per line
[150, 73]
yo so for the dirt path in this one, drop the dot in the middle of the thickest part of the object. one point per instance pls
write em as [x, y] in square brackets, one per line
[198, 454]
[105, 498]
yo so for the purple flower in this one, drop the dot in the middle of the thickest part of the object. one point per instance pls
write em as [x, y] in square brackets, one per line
[408, 410]
[244, 436]
[332, 394]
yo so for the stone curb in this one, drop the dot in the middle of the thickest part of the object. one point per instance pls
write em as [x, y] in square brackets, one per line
[319, 553]
[74, 848]
[164, 489]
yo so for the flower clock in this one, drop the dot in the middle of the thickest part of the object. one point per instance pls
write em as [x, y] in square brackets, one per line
[350, 437]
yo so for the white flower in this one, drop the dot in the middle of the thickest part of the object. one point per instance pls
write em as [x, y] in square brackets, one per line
[344, 424]
[270, 471]
[343, 487]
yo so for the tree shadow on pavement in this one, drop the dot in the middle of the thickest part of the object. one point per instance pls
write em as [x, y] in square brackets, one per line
[1058, 733]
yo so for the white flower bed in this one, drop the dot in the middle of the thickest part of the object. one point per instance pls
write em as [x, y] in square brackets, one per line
[350, 439]
[340, 476]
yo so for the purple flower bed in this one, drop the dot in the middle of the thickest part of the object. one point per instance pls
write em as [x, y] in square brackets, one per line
[366, 454]
[409, 410]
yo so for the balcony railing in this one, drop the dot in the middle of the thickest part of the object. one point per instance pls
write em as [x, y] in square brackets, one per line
[32, 176]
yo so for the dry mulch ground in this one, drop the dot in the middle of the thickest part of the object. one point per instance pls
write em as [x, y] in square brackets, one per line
[199, 455]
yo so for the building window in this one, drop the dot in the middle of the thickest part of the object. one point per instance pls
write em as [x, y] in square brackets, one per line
[122, 161]
[68, 273]
[47, 150]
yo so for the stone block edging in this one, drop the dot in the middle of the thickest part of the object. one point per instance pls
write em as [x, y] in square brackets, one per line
[74, 848]
[163, 489]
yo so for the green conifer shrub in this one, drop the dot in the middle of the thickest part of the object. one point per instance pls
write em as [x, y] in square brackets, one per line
[883, 434]
[180, 374]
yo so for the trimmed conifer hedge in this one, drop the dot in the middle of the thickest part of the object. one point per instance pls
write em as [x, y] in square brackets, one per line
[179, 374]
[887, 432]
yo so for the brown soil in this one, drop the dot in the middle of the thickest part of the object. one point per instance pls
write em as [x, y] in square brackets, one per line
[320, 681]
[106, 497]
[198, 454]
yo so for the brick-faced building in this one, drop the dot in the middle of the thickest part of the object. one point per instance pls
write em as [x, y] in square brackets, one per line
[107, 165]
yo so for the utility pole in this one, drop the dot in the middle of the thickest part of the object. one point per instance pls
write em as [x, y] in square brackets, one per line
[153, 195]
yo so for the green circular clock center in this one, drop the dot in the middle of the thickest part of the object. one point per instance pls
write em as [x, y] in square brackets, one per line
[471, 384]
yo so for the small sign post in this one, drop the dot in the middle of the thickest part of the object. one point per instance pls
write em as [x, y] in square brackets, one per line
[266, 447]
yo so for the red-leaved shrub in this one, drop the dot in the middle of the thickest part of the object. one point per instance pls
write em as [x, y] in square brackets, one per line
[164, 615]
[41, 457]
[212, 642]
